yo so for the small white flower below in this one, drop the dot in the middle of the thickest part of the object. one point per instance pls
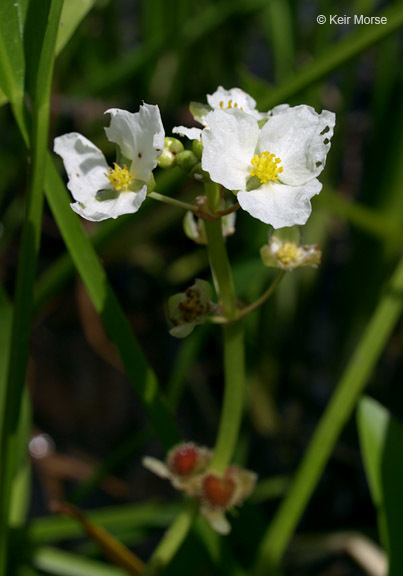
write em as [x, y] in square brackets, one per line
[289, 255]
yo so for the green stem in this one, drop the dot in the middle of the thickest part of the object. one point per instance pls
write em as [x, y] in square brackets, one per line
[234, 363]
[173, 202]
[234, 392]
[221, 268]
[263, 298]
[328, 430]
[172, 540]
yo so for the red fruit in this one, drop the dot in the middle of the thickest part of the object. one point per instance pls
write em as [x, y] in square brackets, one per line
[183, 459]
[218, 491]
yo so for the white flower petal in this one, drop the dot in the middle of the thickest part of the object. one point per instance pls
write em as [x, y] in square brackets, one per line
[301, 139]
[278, 204]
[85, 166]
[277, 110]
[228, 147]
[216, 519]
[140, 136]
[191, 133]
[156, 466]
[125, 203]
[233, 98]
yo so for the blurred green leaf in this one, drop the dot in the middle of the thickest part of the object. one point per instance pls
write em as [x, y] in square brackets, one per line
[60, 563]
[116, 518]
[12, 65]
[339, 409]
[12, 15]
[106, 304]
[119, 554]
[43, 21]
[381, 440]
[73, 13]
[277, 24]
[334, 56]
[12, 62]
[5, 340]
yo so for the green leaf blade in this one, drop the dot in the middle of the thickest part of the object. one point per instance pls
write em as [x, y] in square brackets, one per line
[105, 302]
[381, 439]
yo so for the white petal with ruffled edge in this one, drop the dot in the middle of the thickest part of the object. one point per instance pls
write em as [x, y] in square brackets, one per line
[125, 203]
[280, 205]
[191, 133]
[228, 147]
[301, 139]
[140, 137]
[85, 165]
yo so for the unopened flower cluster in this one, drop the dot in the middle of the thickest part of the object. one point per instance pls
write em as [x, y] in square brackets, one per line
[186, 467]
[269, 160]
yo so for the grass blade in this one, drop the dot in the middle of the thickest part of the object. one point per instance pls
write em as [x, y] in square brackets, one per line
[94, 277]
[334, 57]
[328, 430]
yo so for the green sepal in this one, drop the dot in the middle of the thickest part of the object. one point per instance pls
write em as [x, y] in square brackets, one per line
[199, 110]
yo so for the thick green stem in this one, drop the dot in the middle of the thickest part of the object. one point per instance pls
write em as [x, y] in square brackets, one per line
[234, 364]
[335, 417]
[221, 268]
[234, 392]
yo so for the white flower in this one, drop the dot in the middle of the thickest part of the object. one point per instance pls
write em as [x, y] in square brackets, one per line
[289, 255]
[102, 192]
[221, 99]
[273, 169]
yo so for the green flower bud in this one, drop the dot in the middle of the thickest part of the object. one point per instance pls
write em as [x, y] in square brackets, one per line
[172, 147]
[186, 160]
[197, 148]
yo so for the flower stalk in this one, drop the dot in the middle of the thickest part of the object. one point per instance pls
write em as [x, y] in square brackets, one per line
[172, 540]
[234, 363]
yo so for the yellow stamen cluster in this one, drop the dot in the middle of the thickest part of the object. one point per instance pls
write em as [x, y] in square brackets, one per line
[120, 178]
[266, 167]
[289, 253]
[230, 105]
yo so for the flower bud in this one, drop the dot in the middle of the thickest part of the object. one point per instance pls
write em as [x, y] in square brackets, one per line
[186, 160]
[197, 148]
[172, 147]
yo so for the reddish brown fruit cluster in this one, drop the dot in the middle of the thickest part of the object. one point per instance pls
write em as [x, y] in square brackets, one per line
[184, 459]
[218, 491]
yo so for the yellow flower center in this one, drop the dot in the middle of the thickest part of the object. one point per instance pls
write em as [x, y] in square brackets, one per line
[120, 178]
[230, 105]
[289, 253]
[266, 167]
